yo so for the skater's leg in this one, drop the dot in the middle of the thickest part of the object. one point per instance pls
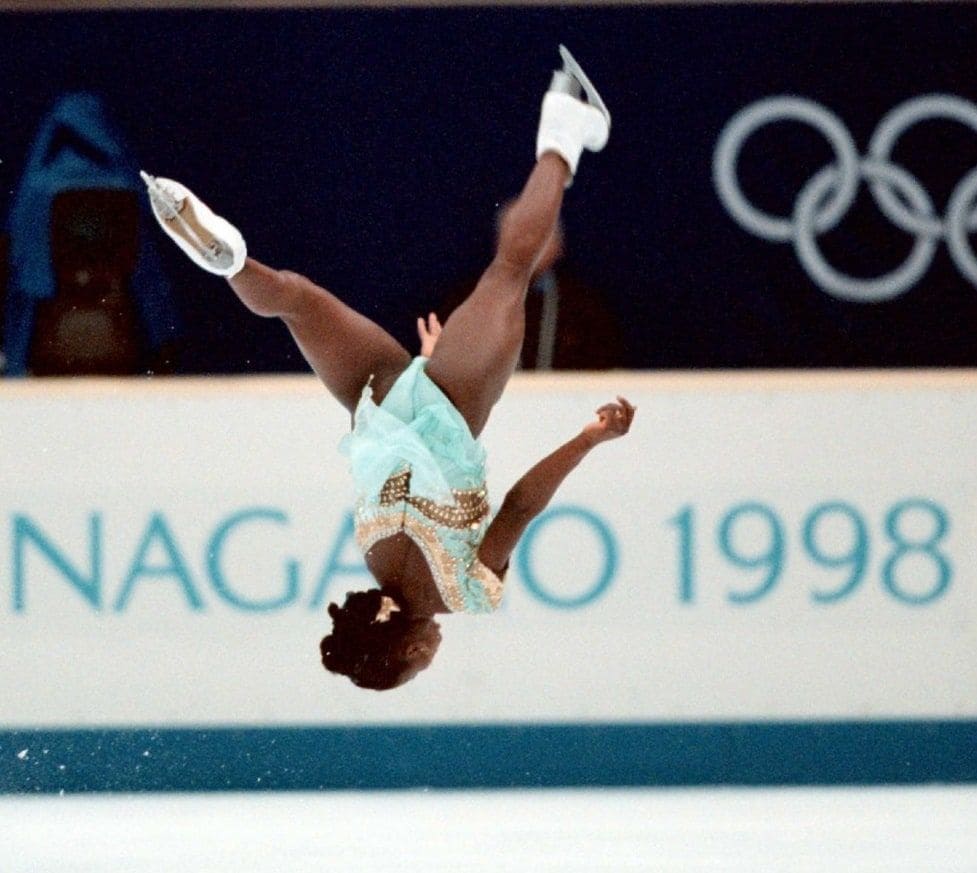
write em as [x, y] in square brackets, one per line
[479, 345]
[480, 342]
[343, 347]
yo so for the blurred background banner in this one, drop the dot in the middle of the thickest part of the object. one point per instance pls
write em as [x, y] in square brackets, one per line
[771, 580]
[785, 186]
[86, 293]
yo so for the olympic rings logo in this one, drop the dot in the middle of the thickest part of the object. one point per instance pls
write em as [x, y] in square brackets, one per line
[828, 194]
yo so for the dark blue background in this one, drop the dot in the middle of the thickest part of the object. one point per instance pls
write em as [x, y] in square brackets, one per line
[369, 149]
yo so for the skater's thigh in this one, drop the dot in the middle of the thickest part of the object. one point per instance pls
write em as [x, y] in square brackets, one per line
[479, 345]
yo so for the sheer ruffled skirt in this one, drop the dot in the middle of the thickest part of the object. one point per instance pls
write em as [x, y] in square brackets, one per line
[415, 425]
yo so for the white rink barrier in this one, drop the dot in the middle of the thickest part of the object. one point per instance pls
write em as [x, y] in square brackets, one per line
[775, 547]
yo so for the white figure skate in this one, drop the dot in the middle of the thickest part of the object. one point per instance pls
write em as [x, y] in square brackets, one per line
[210, 241]
[568, 124]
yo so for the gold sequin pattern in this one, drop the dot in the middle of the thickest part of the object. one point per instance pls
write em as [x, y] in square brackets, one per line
[470, 507]
[444, 566]
[392, 515]
[492, 584]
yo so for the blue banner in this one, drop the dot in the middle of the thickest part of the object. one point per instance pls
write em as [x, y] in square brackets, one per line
[785, 186]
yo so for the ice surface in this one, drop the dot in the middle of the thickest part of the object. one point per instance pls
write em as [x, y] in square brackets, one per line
[911, 829]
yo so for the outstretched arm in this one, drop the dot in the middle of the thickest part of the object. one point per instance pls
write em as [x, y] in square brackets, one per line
[529, 496]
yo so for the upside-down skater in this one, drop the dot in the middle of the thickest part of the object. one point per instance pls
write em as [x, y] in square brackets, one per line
[422, 515]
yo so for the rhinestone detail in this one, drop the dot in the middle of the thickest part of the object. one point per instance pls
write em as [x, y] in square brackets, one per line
[397, 510]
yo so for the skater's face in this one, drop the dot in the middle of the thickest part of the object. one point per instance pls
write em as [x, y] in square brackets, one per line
[418, 647]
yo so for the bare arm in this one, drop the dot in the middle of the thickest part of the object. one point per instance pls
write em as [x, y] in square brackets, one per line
[530, 495]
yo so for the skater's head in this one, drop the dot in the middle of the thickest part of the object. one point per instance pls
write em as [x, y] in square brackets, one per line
[375, 641]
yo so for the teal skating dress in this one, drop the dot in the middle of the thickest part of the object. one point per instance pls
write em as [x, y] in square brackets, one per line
[418, 470]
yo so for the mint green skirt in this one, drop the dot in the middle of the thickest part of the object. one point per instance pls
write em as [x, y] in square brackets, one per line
[415, 425]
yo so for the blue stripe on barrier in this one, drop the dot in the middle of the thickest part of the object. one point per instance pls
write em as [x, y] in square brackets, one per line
[487, 756]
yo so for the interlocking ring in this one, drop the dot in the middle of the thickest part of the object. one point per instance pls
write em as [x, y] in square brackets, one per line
[826, 197]
[962, 200]
[837, 283]
[744, 124]
[890, 129]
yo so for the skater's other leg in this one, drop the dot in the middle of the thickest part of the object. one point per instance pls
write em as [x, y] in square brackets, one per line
[343, 347]
[479, 344]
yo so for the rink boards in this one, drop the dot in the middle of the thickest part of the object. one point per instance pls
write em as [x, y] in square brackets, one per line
[770, 580]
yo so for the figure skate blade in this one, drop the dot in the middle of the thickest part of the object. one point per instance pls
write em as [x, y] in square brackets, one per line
[169, 205]
[571, 67]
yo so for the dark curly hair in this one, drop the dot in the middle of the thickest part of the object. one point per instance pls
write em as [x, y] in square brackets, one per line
[368, 651]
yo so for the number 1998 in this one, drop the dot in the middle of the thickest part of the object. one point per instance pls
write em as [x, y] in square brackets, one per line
[914, 570]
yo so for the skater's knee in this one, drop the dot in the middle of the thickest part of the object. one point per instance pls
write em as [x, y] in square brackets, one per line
[294, 283]
[517, 244]
[269, 292]
[298, 293]
[507, 276]
[524, 240]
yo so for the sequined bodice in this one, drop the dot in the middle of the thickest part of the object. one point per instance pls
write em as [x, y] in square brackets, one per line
[447, 535]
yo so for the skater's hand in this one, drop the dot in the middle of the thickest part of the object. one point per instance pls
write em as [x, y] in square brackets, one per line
[613, 420]
[428, 332]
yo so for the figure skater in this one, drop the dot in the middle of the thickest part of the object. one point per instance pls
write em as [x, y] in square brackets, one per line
[422, 515]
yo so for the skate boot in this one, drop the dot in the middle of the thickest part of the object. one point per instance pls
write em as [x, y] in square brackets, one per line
[568, 124]
[210, 241]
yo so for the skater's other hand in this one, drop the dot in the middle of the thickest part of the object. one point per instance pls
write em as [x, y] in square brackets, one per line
[429, 332]
[613, 420]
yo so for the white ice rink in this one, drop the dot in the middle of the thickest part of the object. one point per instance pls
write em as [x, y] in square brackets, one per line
[914, 829]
